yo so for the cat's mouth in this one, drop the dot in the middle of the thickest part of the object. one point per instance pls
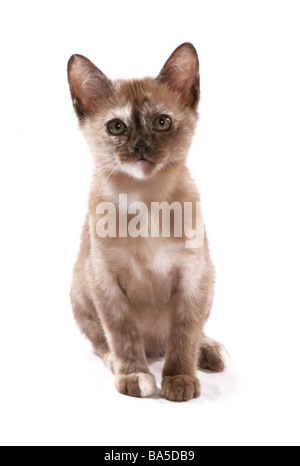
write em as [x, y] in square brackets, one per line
[143, 164]
[144, 160]
[140, 168]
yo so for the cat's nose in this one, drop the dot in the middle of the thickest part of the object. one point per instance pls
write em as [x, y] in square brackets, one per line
[141, 147]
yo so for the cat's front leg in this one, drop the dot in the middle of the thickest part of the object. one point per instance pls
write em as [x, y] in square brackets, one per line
[127, 353]
[187, 319]
[180, 381]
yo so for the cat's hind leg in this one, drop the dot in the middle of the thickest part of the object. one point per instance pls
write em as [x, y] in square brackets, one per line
[213, 355]
[89, 322]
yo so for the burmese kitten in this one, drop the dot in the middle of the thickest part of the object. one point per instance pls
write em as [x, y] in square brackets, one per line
[134, 296]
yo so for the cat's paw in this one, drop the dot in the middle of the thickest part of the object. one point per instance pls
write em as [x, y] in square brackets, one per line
[180, 388]
[137, 385]
[214, 357]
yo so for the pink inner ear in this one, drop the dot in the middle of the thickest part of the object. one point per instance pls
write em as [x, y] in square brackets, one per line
[88, 85]
[190, 89]
[181, 74]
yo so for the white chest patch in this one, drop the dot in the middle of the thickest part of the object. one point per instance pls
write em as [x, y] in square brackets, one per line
[136, 170]
[163, 262]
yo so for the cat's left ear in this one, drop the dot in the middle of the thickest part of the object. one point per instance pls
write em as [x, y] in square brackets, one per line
[181, 74]
[88, 85]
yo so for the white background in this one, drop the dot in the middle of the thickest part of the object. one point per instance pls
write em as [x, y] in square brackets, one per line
[245, 158]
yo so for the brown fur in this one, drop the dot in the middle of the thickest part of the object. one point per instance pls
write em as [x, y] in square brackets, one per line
[133, 297]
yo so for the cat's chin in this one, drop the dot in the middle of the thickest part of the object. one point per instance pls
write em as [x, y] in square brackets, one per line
[140, 170]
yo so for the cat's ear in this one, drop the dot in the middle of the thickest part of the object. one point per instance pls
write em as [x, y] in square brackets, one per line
[88, 86]
[181, 74]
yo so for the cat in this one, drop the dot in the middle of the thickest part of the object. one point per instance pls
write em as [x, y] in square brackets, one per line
[139, 296]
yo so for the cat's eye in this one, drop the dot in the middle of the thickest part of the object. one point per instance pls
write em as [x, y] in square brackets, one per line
[116, 127]
[162, 123]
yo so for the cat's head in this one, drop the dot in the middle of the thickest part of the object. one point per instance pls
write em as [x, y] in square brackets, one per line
[138, 127]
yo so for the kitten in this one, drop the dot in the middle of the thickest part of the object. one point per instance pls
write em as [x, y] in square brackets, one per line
[143, 295]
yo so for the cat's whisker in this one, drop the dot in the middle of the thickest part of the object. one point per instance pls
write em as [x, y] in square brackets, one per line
[104, 167]
[106, 161]
[169, 165]
[111, 173]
